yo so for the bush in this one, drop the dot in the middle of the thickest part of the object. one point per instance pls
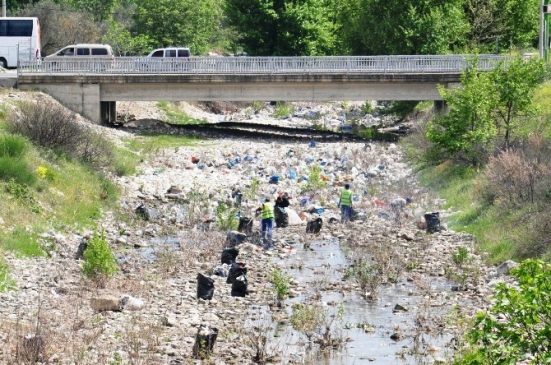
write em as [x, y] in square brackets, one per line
[12, 146]
[19, 171]
[226, 218]
[100, 263]
[281, 283]
[51, 126]
[518, 325]
[48, 125]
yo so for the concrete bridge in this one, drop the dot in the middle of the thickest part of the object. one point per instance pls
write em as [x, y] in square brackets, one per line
[92, 87]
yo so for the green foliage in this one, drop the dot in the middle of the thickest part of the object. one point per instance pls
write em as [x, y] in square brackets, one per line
[6, 281]
[22, 242]
[315, 180]
[176, 115]
[306, 319]
[189, 23]
[284, 28]
[515, 92]
[16, 170]
[100, 263]
[382, 27]
[18, 191]
[518, 324]
[468, 130]
[252, 191]
[281, 282]
[367, 107]
[283, 110]
[62, 25]
[12, 146]
[226, 218]
[366, 275]
[460, 256]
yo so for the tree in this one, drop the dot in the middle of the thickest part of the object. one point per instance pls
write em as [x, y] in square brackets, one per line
[467, 131]
[515, 85]
[189, 23]
[101, 10]
[498, 25]
[284, 27]
[381, 27]
[518, 326]
[61, 27]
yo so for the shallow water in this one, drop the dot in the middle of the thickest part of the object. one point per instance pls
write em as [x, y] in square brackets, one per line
[325, 262]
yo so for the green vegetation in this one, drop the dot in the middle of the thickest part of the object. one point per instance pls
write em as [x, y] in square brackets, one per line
[281, 282]
[315, 178]
[175, 114]
[283, 109]
[100, 263]
[517, 327]
[6, 281]
[226, 218]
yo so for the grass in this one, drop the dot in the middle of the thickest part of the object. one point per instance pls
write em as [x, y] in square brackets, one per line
[176, 115]
[152, 143]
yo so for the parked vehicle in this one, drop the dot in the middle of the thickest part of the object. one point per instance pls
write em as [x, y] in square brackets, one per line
[19, 40]
[170, 59]
[84, 56]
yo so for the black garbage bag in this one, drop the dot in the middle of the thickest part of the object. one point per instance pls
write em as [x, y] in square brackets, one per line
[314, 226]
[229, 255]
[235, 238]
[205, 287]
[236, 269]
[240, 285]
[83, 245]
[144, 212]
[204, 341]
[433, 222]
[356, 215]
[281, 217]
[245, 225]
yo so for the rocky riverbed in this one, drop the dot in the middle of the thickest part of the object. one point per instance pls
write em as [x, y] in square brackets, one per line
[149, 312]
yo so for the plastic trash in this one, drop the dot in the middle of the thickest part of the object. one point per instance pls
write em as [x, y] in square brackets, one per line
[204, 341]
[274, 179]
[312, 143]
[292, 175]
[205, 287]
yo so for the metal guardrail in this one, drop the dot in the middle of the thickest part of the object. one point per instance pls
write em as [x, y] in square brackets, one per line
[264, 65]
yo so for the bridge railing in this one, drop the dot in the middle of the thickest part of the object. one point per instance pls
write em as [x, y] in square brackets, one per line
[265, 65]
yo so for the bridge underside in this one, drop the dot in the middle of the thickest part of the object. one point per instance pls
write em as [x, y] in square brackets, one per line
[96, 97]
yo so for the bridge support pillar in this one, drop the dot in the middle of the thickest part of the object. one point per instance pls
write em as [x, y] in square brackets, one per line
[440, 106]
[108, 112]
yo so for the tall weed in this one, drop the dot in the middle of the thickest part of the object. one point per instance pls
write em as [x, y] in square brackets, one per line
[12, 146]
[14, 169]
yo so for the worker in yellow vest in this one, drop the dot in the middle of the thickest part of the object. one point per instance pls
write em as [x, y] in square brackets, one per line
[267, 210]
[345, 203]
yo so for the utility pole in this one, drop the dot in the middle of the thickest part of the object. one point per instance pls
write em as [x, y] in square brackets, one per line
[3, 8]
[544, 29]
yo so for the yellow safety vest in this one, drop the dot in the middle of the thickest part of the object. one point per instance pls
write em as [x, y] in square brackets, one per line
[267, 211]
[346, 198]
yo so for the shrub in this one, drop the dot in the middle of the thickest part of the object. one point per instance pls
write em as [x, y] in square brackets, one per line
[6, 281]
[49, 125]
[281, 282]
[12, 146]
[315, 180]
[96, 151]
[226, 218]
[100, 263]
[283, 110]
[517, 326]
[16, 170]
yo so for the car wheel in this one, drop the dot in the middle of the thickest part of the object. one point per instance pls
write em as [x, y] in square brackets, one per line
[3, 63]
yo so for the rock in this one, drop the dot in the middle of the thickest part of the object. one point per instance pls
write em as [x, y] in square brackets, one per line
[399, 308]
[506, 267]
[105, 303]
[131, 304]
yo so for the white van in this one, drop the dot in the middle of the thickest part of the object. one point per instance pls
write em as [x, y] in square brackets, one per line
[82, 57]
[170, 59]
